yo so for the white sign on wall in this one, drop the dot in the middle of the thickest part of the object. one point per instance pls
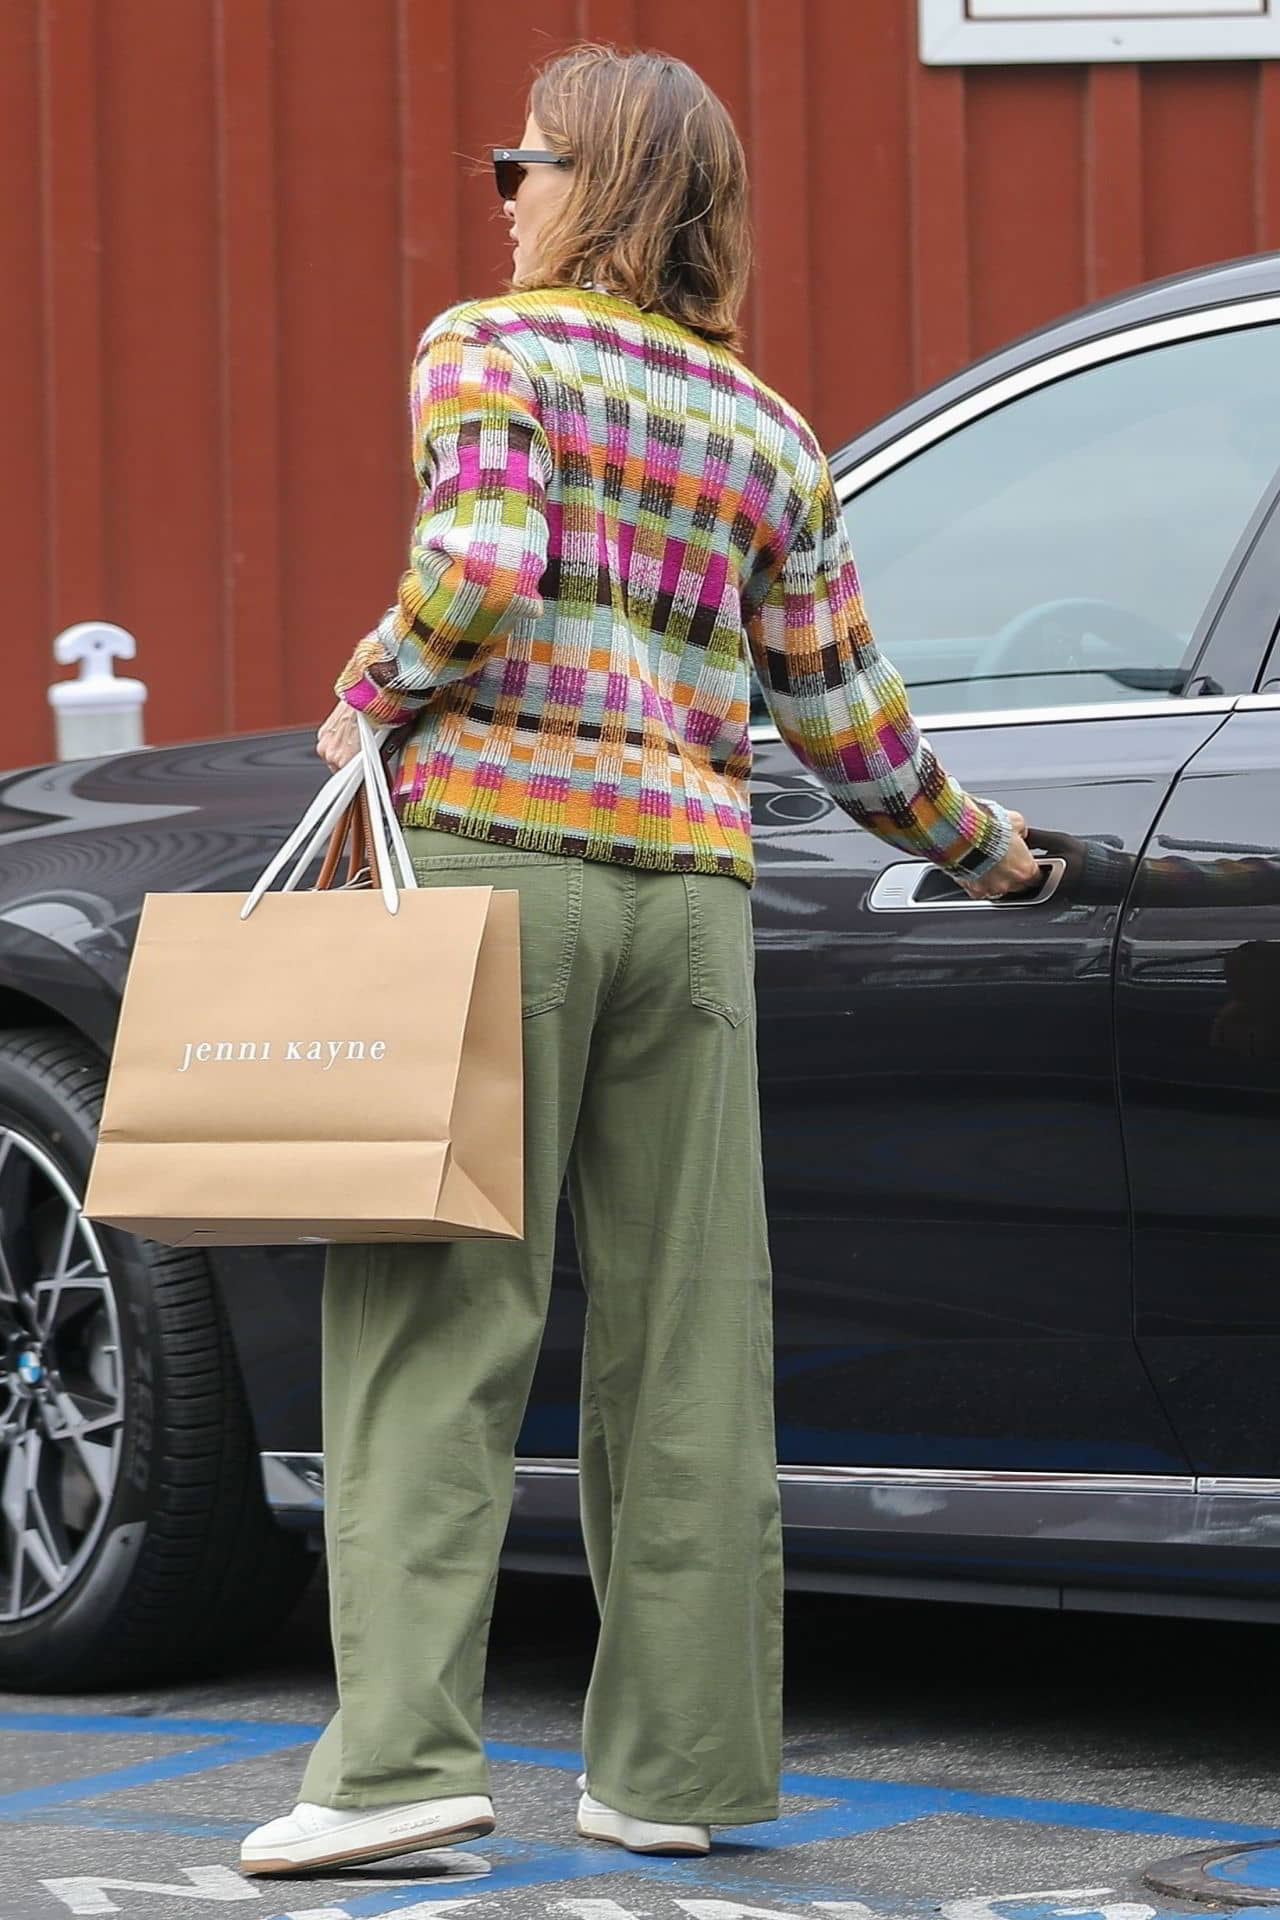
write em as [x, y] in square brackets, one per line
[1012, 32]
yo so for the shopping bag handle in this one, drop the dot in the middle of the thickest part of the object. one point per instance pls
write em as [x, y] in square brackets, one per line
[353, 819]
[363, 782]
[316, 823]
[388, 854]
[351, 837]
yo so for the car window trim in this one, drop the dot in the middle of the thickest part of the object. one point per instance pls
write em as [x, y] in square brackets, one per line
[762, 733]
[1121, 344]
[1226, 646]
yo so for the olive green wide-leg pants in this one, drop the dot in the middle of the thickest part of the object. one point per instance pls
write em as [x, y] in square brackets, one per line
[640, 1084]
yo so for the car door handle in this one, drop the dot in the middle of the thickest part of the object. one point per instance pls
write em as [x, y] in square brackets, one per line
[917, 886]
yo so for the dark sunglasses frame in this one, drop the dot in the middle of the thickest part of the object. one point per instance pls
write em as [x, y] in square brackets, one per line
[510, 164]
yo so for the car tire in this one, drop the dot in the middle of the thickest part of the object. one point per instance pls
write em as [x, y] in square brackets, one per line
[135, 1541]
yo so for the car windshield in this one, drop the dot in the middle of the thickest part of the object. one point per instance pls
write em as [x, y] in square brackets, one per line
[1064, 547]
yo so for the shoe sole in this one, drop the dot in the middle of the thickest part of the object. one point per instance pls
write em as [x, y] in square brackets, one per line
[423, 1842]
[614, 1840]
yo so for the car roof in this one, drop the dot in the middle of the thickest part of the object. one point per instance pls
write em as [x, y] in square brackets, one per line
[1250, 278]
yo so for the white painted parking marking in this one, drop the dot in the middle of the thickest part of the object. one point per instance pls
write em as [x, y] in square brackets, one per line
[593, 1909]
[1117, 1910]
[418, 1911]
[985, 1907]
[729, 1910]
[88, 1893]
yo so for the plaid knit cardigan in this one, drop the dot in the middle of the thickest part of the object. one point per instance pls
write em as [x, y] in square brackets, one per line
[615, 519]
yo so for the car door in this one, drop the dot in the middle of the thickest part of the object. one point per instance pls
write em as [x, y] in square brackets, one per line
[1048, 564]
[1198, 1016]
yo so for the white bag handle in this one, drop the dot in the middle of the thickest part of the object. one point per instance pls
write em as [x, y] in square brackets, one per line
[324, 832]
[380, 812]
[323, 812]
[313, 831]
[395, 833]
[385, 838]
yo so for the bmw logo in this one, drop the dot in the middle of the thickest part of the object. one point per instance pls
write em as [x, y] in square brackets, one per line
[30, 1368]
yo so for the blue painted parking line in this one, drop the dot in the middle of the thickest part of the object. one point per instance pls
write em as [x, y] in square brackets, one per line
[230, 1741]
[1086, 1815]
[1260, 1868]
[845, 1809]
[1247, 1875]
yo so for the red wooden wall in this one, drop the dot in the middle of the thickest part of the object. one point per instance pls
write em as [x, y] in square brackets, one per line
[225, 221]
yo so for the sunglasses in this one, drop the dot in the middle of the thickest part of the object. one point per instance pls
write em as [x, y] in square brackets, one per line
[510, 165]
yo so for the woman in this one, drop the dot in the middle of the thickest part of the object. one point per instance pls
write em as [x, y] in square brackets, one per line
[616, 517]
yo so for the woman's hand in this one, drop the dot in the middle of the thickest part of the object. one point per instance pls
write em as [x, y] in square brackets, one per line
[1018, 869]
[338, 740]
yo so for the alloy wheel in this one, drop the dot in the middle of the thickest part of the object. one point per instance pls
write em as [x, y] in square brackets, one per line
[61, 1382]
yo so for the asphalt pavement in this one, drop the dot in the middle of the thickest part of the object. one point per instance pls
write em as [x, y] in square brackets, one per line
[984, 1764]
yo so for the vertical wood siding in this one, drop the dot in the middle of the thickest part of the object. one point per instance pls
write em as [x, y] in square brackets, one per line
[226, 222]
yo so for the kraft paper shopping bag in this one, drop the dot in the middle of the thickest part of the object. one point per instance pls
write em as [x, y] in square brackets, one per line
[321, 1070]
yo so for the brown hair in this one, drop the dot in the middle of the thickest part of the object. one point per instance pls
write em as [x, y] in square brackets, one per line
[657, 204]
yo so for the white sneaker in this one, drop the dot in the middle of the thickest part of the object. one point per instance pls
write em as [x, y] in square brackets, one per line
[314, 1836]
[598, 1822]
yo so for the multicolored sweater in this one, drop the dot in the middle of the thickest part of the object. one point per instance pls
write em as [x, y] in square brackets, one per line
[615, 520]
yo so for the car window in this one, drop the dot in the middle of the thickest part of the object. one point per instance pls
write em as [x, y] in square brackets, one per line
[1064, 547]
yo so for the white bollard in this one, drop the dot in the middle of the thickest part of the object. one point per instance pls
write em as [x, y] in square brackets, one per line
[96, 713]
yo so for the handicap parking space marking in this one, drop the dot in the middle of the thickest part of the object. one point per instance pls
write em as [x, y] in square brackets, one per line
[848, 1808]
[89, 1895]
[229, 1741]
[1083, 1903]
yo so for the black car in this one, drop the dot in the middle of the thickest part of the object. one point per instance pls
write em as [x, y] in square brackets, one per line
[1023, 1159]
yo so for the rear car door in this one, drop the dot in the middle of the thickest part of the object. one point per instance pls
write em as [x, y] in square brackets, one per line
[1198, 1013]
[1047, 564]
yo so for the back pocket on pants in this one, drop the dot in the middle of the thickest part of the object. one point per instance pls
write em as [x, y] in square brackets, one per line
[721, 948]
[550, 892]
